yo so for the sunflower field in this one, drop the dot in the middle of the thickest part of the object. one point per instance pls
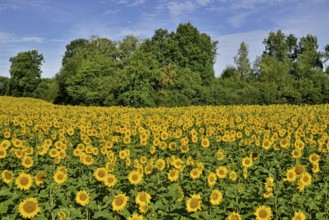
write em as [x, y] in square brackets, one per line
[225, 162]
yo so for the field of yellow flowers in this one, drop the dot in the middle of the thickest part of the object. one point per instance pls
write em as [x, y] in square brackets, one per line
[228, 162]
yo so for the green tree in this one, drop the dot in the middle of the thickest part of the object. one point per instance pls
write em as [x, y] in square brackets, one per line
[138, 81]
[25, 72]
[308, 58]
[276, 46]
[242, 61]
[4, 83]
[47, 90]
[90, 76]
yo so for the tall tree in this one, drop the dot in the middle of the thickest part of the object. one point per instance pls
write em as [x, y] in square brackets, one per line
[25, 72]
[89, 76]
[242, 61]
[276, 46]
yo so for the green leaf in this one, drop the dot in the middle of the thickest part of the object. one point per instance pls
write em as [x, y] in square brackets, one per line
[3, 208]
[102, 214]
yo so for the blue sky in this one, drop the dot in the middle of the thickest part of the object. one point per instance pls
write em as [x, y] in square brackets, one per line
[49, 25]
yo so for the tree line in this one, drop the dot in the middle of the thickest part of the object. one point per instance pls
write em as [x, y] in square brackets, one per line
[175, 69]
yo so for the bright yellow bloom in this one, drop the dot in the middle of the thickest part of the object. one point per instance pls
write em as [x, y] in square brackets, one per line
[216, 197]
[193, 204]
[28, 208]
[135, 177]
[110, 180]
[82, 197]
[221, 172]
[263, 213]
[135, 216]
[59, 177]
[212, 178]
[7, 176]
[24, 181]
[173, 175]
[143, 198]
[234, 216]
[247, 162]
[100, 173]
[299, 216]
[119, 202]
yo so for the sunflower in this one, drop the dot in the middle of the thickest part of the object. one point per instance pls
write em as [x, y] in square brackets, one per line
[263, 213]
[40, 177]
[221, 172]
[62, 215]
[193, 204]
[173, 175]
[100, 173]
[27, 162]
[315, 168]
[296, 153]
[5, 144]
[87, 160]
[143, 208]
[300, 169]
[184, 148]
[3, 152]
[143, 198]
[291, 175]
[314, 158]
[234, 216]
[119, 202]
[233, 176]
[59, 177]
[212, 178]
[284, 143]
[29, 208]
[82, 197]
[195, 173]
[216, 197]
[268, 193]
[7, 176]
[269, 182]
[135, 177]
[247, 162]
[135, 216]
[53, 153]
[299, 216]
[220, 154]
[110, 180]
[205, 143]
[266, 144]
[305, 179]
[24, 181]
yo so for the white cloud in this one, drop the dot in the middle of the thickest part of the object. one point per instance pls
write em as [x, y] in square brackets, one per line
[9, 38]
[203, 2]
[177, 8]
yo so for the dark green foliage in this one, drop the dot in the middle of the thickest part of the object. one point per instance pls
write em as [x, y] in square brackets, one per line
[175, 69]
[47, 90]
[25, 73]
[4, 85]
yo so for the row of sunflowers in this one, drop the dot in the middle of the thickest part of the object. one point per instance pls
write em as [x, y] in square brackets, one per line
[225, 162]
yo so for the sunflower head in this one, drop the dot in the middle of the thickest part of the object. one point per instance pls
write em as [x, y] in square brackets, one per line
[82, 197]
[7, 176]
[216, 197]
[263, 213]
[135, 177]
[193, 204]
[143, 198]
[24, 181]
[29, 208]
[119, 202]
